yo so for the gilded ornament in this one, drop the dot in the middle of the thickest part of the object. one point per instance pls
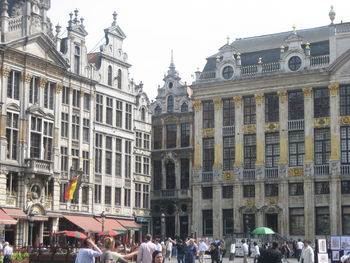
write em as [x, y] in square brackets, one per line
[209, 132]
[217, 103]
[272, 126]
[238, 100]
[197, 105]
[307, 93]
[58, 88]
[296, 172]
[250, 202]
[321, 122]
[259, 98]
[251, 128]
[272, 201]
[92, 96]
[333, 89]
[282, 94]
[345, 120]
[228, 175]
[42, 82]
[6, 72]
[82, 93]
[26, 78]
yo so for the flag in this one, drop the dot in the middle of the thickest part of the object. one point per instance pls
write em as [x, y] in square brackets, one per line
[69, 194]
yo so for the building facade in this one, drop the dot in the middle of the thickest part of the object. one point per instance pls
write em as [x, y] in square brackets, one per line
[271, 141]
[172, 125]
[66, 113]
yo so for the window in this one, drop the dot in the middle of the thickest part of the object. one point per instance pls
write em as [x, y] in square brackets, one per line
[108, 155]
[185, 134]
[321, 102]
[345, 144]
[128, 112]
[13, 83]
[41, 139]
[118, 157]
[77, 60]
[119, 78]
[249, 110]
[143, 114]
[63, 188]
[76, 98]
[98, 193]
[228, 153]
[171, 135]
[272, 150]
[227, 221]
[208, 114]
[98, 153]
[228, 112]
[296, 189]
[86, 130]
[35, 137]
[249, 151]
[296, 221]
[127, 159]
[157, 111]
[65, 95]
[109, 80]
[207, 216]
[227, 72]
[170, 175]
[146, 139]
[99, 108]
[184, 107]
[145, 196]
[157, 137]
[34, 90]
[138, 164]
[87, 99]
[227, 191]
[295, 105]
[346, 220]
[145, 166]
[86, 162]
[75, 127]
[49, 94]
[294, 63]
[345, 187]
[321, 188]
[119, 114]
[322, 146]
[344, 97]
[12, 129]
[85, 195]
[271, 107]
[170, 104]
[127, 197]
[249, 190]
[138, 139]
[207, 192]
[109, 111]
[185, 173]
[138, 195]
[208, 154]
[64, 159]
[108, 195]
[322, 221]
[64, 124]
[296, 148]
[157, 174]
[75, 159]
[271, 190]
[118, 196]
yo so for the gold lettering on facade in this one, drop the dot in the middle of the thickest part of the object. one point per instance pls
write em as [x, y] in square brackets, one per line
[333, 89]
[345, 120]
[296, 172]
[251, 128]
[282, 94]
[259, 98]
[307, 93]
[238, 100]
[272, 126]
[209, 132]
[321, 122]
[197, 105]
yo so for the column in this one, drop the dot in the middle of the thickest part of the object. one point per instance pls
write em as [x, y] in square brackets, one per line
[197, 105]
[260, 131]
[237, 197]
[163, 174]
[308, 123]
[217, 211]
[3, 142]
[178, 174]
[57, 125]
[238, 137]
[309, 208]
[56, 194]
[178, 134]
[3, 177]
[259, 202]
[23, 122]
[163, 135]
[283, 220]
[197, 222]
[218, 133]
[283, 117]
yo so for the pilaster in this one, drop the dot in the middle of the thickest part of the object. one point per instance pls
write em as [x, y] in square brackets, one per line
[335, 206]
[197, 105]
[283, 117]
[56, 195]
[260, 132]
[308, 123]
[178, 134]
[3, 175]
[218, 132]
[284, 214]
[237, 197]
[259, 202]
[163, 175]
[196, 223]
[238, 131]
[335, 129]
[217, 211]
[3, 141]
[309, 208]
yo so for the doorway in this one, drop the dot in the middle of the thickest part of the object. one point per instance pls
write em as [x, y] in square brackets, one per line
[272, 221]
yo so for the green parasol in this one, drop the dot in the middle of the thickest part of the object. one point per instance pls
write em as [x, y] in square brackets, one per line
[263, 231]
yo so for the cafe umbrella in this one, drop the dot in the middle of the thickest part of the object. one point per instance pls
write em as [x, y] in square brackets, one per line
[76, 234]
[263, 231]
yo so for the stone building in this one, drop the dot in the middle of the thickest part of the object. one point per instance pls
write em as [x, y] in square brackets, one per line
[272, 134]
[172, 124]
[66, 113]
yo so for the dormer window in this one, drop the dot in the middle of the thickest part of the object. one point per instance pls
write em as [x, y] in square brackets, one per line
[294, 63]
[109, 81]
[227, 72]
[184, 107]
[157, 111]
[170, 85]
[170, 104]
[77, 60]
[143, 114]
[119, 78]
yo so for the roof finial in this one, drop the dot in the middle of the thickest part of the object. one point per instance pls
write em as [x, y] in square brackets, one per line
[228, 40]
[172, 59]
[58, 29]
[331, 15]
[114, 18]
[294, 29]
[76, 12]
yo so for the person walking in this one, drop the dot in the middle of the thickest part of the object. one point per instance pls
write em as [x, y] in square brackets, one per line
[8, 251]
[273, 254]
[256, 252]
[169, 248]
[107, 254]
[202, 247]
[307, 254]
[190, 252]
[180, 251]
[88, 253]
[146, 250]
[232, 251]
[245, 249]
[214, 253]
[222, 249]
[285, 249]
[299, 248]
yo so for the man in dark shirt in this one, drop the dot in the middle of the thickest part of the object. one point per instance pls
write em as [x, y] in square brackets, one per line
[272, 255]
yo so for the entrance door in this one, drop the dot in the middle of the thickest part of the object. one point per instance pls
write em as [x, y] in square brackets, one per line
[170, 226]
[248, 223]
[183, 226]
[272, 221]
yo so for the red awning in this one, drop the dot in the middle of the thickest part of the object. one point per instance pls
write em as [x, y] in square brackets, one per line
[89, 224]
[6, 219]
[112, 224]
[15, 212]
[130, 224]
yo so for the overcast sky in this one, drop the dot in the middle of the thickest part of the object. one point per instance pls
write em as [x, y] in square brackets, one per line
[193, 29]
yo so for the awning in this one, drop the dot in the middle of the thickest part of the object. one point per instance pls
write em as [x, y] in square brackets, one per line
[112, 224]
[15, 212]
[6, 219]
[143, 220]
[130, 224]
[87, 223]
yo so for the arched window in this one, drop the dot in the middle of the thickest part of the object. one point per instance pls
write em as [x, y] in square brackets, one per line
[109, 75]
[119, 79]
[77, 60]
[170, 104]
[158, 111]
[143, 114]
[184, 107]
[170, 175]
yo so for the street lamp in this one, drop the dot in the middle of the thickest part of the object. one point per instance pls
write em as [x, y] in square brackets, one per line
[31, 226]
[162, 225]
[103, 216]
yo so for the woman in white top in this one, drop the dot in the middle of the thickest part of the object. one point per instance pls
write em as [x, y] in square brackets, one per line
[232, 251]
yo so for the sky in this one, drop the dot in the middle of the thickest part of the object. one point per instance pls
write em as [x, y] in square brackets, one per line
[193, 29]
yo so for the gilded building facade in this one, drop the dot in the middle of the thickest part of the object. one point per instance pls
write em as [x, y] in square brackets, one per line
[66, 113]
[271, 141]
[172, 126]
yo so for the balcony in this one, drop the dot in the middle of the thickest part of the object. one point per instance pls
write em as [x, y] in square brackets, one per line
[171, 194]
[168, 193]
[296, 125]
[271, 173]
[39, 166]
[207, 176]
[249, 174]
[345, 169]
[228, 130]
[321, 169]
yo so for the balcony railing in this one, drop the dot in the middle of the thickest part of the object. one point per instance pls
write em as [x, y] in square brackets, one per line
[249, 70]
[228, 130]
[271, 67]
[321, 169]
[319, 60]
[296, 125]
[343, 28]
[345, 169]
[207, 176]
[15, 23]
[271, 173]
[207, 75]
[39, 166]
[249, 174]
[168, 193]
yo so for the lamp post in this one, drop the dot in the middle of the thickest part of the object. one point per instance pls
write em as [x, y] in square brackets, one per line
[31, 226]
[162, 226]
[103, 216]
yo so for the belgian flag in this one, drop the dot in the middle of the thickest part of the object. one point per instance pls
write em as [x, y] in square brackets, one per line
[73, 186]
